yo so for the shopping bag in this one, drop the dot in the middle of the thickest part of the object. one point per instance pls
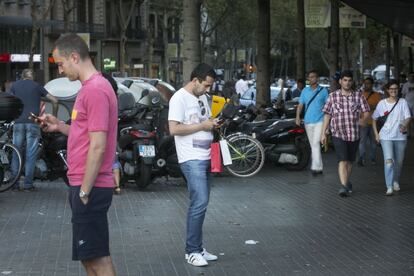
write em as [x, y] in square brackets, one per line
[215, 158]
[225, 153]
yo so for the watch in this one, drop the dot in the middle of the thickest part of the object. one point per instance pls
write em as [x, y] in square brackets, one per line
[82, 194]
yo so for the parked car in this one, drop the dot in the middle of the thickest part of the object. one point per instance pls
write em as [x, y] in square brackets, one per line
[249, 97]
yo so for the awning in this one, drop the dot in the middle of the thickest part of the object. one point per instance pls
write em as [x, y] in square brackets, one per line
[396, 14]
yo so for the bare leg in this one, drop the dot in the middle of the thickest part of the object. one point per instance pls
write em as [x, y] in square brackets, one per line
[100, 266]
[344, 170]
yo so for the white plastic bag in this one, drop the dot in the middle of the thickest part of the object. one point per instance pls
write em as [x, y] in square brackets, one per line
[225, 153]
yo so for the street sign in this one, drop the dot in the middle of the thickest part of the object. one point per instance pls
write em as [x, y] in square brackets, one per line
[317, 13]
[351, 18]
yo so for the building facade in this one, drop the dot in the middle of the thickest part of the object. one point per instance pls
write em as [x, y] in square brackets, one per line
[151, 47]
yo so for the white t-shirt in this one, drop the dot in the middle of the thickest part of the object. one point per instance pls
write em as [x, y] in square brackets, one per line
[188, 109]
[241, 87]
[391, 128]
[408, 93]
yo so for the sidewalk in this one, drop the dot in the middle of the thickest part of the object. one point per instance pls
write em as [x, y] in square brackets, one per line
[302, 227]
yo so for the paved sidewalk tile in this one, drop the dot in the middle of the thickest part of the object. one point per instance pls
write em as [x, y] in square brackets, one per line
[300, 223]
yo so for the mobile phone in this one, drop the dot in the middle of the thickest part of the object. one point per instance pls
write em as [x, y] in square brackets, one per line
[35, 118]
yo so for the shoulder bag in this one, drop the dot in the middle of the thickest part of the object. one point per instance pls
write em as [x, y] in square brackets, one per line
[382, 119]
[310, 101]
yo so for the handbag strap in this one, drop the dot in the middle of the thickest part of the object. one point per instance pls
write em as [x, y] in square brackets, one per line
[314, 96]
[391, 110]
[393, 107]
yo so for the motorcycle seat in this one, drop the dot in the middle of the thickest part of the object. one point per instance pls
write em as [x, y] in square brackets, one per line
[141, 127]
[252, 126]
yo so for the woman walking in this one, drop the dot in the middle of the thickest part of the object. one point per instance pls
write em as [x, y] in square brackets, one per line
[393, 134]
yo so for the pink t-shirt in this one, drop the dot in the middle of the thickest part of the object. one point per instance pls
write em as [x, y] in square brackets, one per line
[95, 109]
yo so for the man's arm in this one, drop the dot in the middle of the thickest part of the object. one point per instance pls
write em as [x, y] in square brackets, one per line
[96, 152]
[298, 112]
[326, 122]
[54, 102]
[176, 128]
[364, 119]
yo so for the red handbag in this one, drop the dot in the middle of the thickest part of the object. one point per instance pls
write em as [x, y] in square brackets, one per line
[216, 166]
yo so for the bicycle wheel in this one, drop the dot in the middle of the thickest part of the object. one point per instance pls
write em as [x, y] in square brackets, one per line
[7, 177]
[247, 155]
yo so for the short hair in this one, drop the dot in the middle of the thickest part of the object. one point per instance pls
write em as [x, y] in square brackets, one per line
[369, 79]
[202, 71]
[314, 72]
[347, 74]
[388, 85]
[300, 81]
[69, 43]
[391, 82]
[27, 74]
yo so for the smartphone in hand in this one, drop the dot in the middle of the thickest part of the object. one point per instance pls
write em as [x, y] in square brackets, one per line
[36, 119]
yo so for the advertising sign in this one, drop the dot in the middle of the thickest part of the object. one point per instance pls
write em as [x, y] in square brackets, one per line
[351, 18]
[317, 13]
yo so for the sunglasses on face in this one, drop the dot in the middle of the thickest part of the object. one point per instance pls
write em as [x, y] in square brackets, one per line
[203, 108]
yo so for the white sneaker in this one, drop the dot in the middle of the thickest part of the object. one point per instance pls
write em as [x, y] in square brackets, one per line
[208, 256]
[389, 192]
[396, 187]
[196, 259]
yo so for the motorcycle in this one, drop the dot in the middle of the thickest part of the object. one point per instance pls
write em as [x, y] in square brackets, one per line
[284, 142]
[136, 140]
[51, 162]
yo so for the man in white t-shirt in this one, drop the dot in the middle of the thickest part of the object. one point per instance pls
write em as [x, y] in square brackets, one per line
[190, 123]
[241, 85]
[408, 93]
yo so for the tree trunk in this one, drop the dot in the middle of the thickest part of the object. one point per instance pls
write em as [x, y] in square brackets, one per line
[334, 35]
[300, 53]
[35, 29]
[124, 22]
[191, 41]
[122, 44]
[346, 35]
[263, 54]
[165, 61]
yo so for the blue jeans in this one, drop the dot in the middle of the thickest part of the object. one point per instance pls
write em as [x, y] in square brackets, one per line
[393, 151]
[367, 142]
[29, 133]
[197, 174]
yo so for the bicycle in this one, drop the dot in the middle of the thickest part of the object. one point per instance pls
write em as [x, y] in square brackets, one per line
[8, 151]
[246, 152]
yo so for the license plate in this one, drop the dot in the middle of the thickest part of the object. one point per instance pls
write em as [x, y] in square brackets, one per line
[3, 157]
[147, 150]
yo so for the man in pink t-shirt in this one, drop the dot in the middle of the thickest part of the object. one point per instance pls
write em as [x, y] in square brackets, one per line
[91, 150]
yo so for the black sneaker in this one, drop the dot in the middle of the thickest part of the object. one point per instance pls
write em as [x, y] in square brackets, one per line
[30, 189]
[315, 173]
[343, 192]
[361, 162]
[349, 187]
[16, 188]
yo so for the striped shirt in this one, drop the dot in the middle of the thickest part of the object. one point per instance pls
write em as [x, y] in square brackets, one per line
[345, 113]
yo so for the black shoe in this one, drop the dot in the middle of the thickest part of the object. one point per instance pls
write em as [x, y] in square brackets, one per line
[361, 162]
[315, 173]
[16, 188]
[30, 189]
[349, 187]
[343, 192]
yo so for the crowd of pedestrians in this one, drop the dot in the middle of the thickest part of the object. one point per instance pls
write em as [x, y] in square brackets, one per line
[348, 116]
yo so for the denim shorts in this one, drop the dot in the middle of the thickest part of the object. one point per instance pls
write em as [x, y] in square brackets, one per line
[90, 223]
[345, 150]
